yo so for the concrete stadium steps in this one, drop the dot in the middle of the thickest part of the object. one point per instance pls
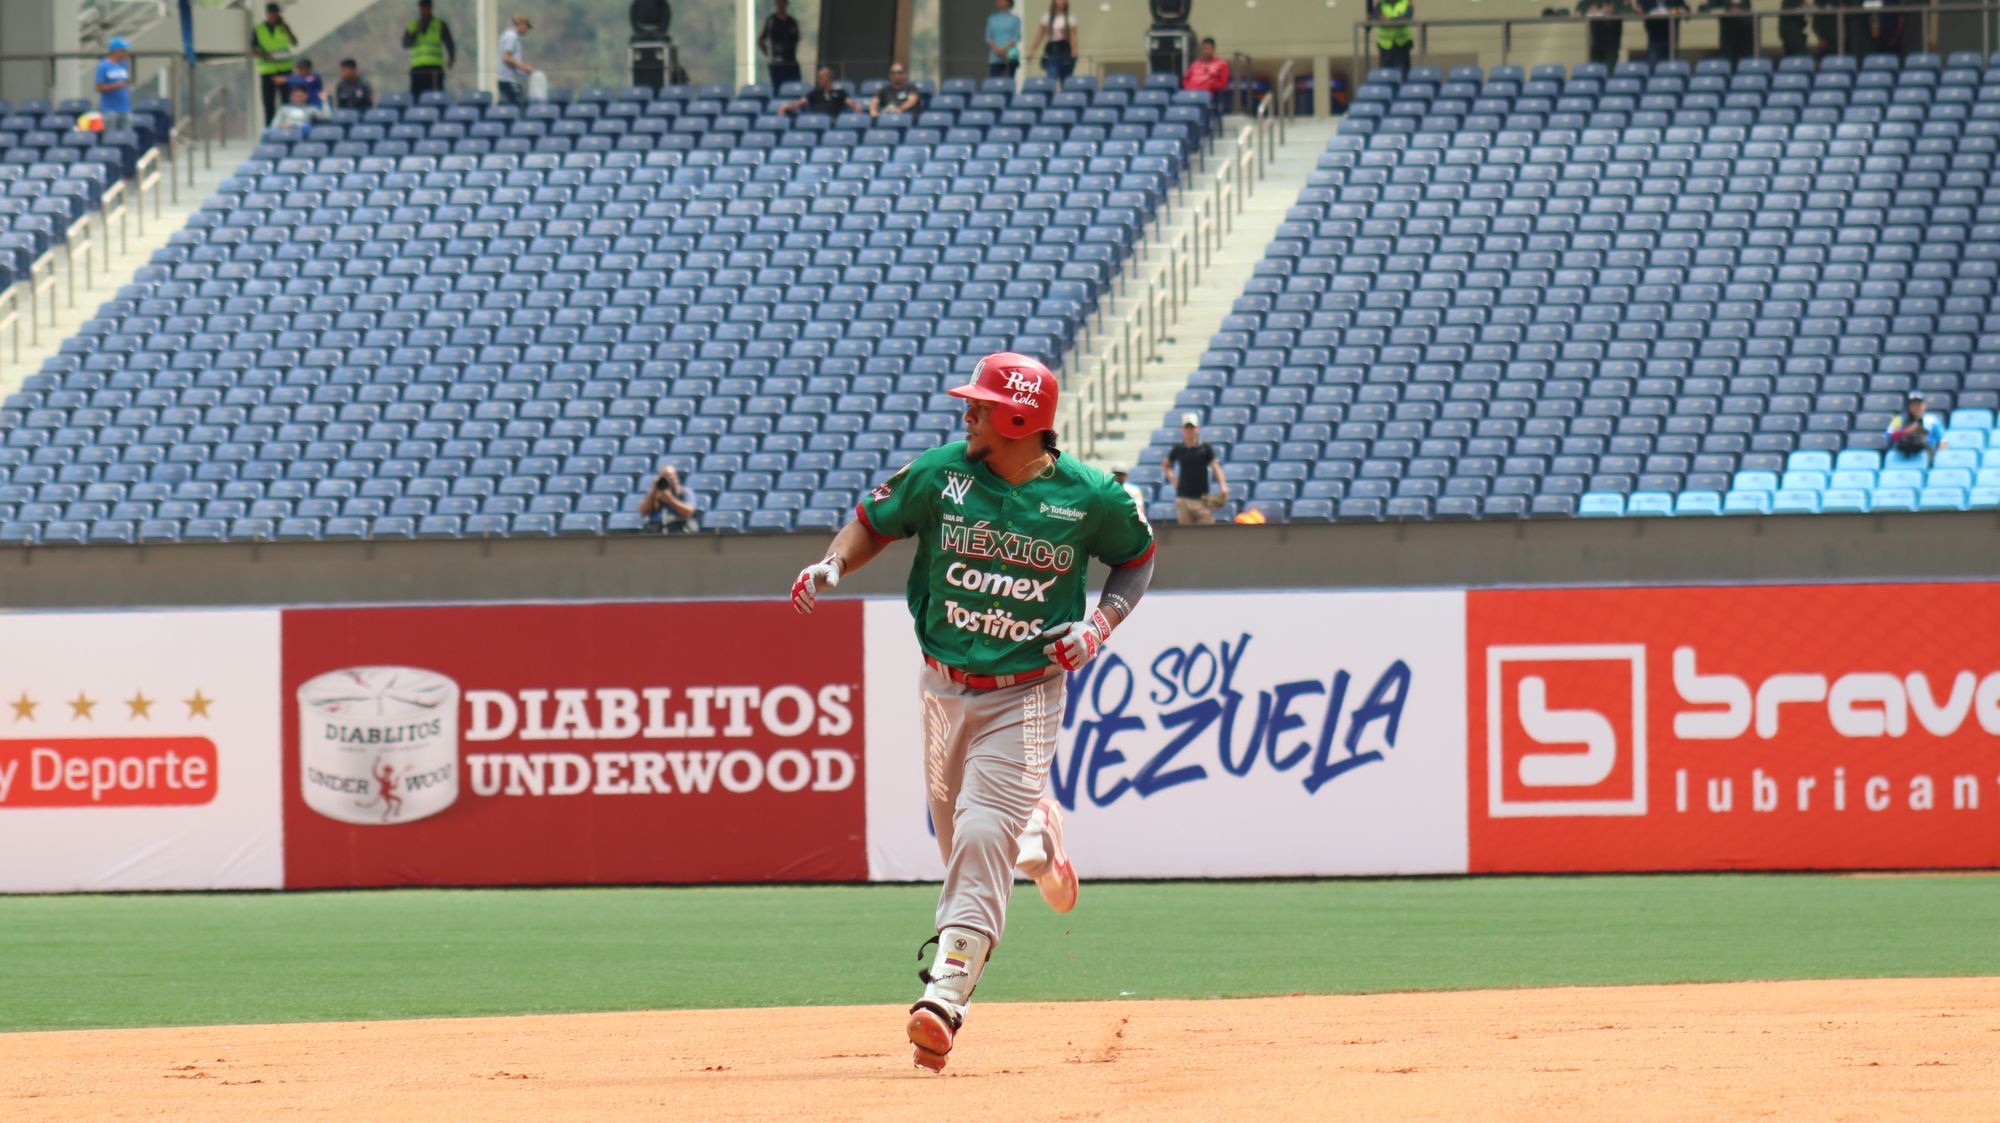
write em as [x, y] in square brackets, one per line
[1142, 411]
[101, 282]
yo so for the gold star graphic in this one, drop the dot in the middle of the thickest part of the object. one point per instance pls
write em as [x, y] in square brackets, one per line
[24, 707]
[140, 705]
[198, 705]
[79, 709]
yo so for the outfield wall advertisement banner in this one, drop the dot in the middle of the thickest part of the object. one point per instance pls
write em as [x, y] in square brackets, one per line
[1233, 735]
[1805, 727]
[1218, 735]
[570, 744]
[135, 751]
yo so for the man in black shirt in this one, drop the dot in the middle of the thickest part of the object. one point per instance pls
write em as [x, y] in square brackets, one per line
[354, 92]
[1187, 468]
[898, 96]
[822, 98]
[780, 43]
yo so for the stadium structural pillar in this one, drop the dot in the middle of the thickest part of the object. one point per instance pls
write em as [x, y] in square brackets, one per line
[1322, 86]
[746, 42]
[487, 24]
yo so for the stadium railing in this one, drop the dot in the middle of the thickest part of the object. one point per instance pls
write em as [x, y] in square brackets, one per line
[1764, 29]
[1161, 276]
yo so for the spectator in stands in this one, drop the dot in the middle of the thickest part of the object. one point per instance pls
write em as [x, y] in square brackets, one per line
[1915, 437]
[1138, 494]
[898, 96]
[824, 97]
[114, 86]
[1210, 75]
[300, 114]
[779, 41]
[1003, 40]
[303, 78]
[1792, 29]
[353, 92]
[1187, 467]
[1056, 40]
[1735, 31]
[273, 44]
[1607, 33]
[667, 503]
[514, 68]
[1393, 43]
[431, 48]
[1660, 32]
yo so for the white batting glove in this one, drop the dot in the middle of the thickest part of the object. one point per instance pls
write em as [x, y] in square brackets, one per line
[822, 574]
[1074, 644]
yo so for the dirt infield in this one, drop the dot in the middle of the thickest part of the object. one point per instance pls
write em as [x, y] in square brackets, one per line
[1824, 1050]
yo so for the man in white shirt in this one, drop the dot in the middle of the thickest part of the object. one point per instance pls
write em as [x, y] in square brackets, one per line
[514, 68]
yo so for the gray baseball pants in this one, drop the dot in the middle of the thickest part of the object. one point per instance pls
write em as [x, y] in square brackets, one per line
[986, 759]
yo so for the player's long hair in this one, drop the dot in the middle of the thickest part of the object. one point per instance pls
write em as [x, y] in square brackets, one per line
[1049, 440]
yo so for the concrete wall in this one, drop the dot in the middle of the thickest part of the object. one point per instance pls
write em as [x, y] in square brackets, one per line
[1415, 555]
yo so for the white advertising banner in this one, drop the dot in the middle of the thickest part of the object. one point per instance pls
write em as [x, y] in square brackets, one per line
[139, 750]
[1224, 735]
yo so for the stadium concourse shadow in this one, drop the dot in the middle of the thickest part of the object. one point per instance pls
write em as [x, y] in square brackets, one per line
[1797, 548]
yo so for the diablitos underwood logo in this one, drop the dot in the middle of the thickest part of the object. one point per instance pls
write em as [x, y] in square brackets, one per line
[378, 744]
[1566, 747]
[956, 487]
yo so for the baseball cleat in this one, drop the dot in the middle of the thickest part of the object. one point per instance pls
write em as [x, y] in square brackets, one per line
[1058, 881]
[931, 1032]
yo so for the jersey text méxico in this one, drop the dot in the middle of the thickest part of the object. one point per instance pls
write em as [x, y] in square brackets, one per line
[997, 565]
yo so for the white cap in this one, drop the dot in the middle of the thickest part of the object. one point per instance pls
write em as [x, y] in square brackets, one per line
[1119, 470]
[1191, 419]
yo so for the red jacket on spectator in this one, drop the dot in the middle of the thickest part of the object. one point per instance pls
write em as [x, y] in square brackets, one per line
[1207, 74]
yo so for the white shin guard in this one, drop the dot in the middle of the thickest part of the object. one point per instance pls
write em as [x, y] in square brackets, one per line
[955, 970]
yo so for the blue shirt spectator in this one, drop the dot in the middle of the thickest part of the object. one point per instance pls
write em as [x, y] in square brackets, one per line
[304, 78]
[114, 84]
[1003, 40]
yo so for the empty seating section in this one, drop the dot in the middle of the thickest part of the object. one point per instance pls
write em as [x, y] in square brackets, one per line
[1655, 290]
[52, 174]
[448, 319]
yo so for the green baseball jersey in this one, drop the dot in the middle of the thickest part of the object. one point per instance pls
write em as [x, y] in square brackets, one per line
[997, 565]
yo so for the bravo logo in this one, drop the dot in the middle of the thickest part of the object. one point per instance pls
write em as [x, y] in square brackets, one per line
[1566, 730]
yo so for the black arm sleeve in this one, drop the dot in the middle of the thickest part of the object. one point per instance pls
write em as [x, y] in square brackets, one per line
[1123, 589]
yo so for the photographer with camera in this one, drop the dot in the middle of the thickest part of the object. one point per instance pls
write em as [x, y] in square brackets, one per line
[1915, 437]
[668, 505]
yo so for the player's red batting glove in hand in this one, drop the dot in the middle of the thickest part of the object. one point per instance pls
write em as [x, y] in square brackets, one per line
[1072, 645]
[822, 574]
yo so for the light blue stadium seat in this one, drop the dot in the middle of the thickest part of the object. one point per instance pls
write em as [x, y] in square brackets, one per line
[1942, 499]
[1698, 503]
[1649, 503]
[1600, 505]
[1795, 502]
[1844, 501]
[1892, 499]
[1747, 503]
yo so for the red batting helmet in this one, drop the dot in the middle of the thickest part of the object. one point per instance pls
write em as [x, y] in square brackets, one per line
[1022, 390]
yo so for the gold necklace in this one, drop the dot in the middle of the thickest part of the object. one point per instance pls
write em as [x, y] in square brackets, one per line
[1041, 466]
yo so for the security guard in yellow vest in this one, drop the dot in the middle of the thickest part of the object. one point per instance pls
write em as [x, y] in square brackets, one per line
[428, 39]
[1394, 41]
[273, 45]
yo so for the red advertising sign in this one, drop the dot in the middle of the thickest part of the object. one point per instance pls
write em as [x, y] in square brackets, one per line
[107, 772]
[1796, 727]
[547, 744]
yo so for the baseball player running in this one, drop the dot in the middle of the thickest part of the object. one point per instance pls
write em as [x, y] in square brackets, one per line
[1005, 528]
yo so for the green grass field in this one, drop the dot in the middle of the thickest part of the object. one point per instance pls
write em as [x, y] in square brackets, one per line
[75, 962]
